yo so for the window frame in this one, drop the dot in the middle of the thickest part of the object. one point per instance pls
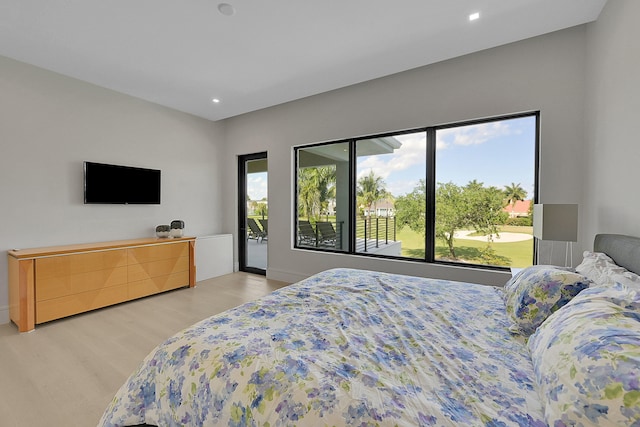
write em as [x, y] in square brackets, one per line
[430, 181]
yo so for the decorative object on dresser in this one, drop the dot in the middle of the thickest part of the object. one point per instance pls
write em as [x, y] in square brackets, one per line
[54, 282]
[177, 228]
[163, 230]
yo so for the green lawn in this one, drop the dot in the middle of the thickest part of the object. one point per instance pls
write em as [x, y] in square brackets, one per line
[510, 254]
[515, 254]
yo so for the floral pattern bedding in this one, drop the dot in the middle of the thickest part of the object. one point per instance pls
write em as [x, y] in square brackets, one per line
[587, 359]
[343, 347]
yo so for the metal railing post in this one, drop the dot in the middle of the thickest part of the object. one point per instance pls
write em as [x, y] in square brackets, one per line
[386, 230]
[395, 229]
[365, 234]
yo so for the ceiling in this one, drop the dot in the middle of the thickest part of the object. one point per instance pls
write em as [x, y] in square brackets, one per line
[183, 53]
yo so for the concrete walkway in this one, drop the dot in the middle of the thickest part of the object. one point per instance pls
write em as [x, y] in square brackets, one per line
[505, 237]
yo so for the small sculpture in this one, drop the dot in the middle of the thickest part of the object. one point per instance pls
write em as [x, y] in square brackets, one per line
[177, 227]
[163, 231]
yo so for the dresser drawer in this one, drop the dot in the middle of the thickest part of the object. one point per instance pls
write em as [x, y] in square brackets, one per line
[152, 269]
[159, 284]
[65, 265]
[79, 303]
[69, 274]
[161, 252]
[55, 287]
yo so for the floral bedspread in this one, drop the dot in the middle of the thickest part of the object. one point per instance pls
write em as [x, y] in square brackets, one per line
[343, 347]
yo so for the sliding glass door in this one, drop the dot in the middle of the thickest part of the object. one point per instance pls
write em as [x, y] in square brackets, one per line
[253, 213]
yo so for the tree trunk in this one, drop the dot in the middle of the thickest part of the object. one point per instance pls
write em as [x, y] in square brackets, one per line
[452, 251]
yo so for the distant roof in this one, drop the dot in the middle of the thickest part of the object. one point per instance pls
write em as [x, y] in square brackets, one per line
[521, 206]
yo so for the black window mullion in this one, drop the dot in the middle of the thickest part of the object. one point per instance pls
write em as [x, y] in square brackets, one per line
[430, 193]
[353, 205]
[536, 195]
[295, 195]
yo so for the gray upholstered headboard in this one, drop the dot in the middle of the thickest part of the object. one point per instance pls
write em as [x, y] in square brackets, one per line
[624, 250]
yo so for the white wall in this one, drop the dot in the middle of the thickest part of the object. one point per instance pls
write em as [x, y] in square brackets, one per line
[50, 124]
[612, 169]
[546, 73]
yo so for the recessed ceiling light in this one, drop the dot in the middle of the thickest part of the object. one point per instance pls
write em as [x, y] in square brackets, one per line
[474, 16]
[215, 100]
[226, 9]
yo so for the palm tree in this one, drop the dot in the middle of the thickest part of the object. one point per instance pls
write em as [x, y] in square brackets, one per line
[307, 193]
[513, 193]
[475, 185]
[326, 180]
[316, 186]
[371, 188]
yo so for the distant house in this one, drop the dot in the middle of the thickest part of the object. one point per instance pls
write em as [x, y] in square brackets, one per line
[380, 208]
[519, 209]
[254, 207]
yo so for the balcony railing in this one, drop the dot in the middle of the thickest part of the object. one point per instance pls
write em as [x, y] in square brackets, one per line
[371, 233]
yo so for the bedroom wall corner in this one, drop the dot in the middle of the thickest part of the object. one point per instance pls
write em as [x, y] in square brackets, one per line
[611, 170]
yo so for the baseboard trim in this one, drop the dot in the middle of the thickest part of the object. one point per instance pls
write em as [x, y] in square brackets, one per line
[4, 315]
[285, 276]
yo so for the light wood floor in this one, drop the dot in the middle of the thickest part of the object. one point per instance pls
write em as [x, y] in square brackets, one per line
[66, 372]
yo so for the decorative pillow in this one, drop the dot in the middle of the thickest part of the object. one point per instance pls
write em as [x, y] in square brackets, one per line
[586, 359]
[537, 292]
[598, 268]
[528, 270]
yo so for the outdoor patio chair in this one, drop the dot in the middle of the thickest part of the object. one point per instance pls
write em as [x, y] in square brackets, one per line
[306, 234]
[326, 233]
[265, 227]
[255, 232]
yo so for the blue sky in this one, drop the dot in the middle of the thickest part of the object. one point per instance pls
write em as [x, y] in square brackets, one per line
[495, 153]
[257, 185]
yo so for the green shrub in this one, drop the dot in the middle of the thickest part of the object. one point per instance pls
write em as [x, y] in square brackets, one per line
[523, 221]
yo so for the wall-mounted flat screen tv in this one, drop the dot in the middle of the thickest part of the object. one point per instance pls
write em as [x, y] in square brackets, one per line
[116, 184]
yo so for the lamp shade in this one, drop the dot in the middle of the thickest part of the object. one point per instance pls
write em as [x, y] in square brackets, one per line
[555, 222]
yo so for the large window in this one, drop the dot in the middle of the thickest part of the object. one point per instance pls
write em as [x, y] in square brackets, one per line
[387, 169]
[323, 196]
[460, 193]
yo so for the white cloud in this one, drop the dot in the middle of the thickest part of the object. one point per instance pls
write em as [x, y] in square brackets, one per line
[257, 185]
[402, 187]
[440, 144]
[411, 153]
[472, 134]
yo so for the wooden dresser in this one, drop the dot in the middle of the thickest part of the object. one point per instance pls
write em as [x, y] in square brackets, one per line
[54, 282]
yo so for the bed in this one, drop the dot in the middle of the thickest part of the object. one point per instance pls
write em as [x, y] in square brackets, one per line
[555, 346]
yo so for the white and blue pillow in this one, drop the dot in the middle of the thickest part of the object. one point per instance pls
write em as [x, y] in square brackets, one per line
[536, 292]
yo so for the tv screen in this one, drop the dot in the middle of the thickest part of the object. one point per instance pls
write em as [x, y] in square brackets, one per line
[115, 184]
